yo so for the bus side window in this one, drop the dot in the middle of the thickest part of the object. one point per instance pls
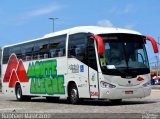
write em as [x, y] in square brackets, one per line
[27, 51]
[8, 51]
[41, 49]
[77, 47]
[17, 51]
[6, 54]
[57, 46]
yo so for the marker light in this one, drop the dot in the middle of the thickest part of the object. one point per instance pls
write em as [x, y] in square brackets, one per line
[140, 79]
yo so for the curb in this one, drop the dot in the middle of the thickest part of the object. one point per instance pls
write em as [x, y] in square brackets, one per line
[157, 87]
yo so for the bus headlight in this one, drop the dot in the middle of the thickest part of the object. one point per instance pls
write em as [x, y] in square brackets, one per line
[147, 84]
[106, 85]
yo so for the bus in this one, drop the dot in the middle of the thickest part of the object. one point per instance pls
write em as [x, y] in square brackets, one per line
[85, 62]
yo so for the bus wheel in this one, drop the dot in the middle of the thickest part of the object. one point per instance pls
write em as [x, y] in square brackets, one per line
[116, 101]
[19, 95]
[73, 94]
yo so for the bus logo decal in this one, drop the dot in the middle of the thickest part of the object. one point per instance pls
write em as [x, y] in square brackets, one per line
[74, 68]
[15, 71]
[44, 78]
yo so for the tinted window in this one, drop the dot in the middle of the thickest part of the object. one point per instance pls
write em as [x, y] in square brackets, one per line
[17, 51]
[8, 51]
[41, 49]
[77, 46]
[6, 54]
[27, 51]
[57, 47]
[92, 62]
[46, 48]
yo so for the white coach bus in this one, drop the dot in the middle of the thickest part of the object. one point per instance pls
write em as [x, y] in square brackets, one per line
[82, 62]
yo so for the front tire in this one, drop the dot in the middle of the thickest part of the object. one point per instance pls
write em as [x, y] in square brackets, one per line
[73, 95]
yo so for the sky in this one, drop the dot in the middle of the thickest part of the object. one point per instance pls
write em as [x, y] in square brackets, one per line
[22, 20]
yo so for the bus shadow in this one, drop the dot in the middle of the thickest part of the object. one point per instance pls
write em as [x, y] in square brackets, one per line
[108, 103]
[92, 102]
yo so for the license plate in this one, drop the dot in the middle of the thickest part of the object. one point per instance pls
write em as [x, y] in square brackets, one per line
[129, 92]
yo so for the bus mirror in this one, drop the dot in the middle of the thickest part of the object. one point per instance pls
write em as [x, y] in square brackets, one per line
[154, 44]
[100, 43]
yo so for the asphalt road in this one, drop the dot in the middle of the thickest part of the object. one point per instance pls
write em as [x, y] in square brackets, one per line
[146, 105]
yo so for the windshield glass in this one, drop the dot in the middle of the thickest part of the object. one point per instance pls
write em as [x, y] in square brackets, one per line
[123, 51]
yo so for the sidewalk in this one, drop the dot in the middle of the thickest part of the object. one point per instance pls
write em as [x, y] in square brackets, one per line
[155, 87]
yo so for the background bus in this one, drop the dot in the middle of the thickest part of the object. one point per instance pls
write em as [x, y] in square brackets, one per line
[81, 62]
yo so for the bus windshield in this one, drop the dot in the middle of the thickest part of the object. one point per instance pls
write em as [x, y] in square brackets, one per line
[124, 53]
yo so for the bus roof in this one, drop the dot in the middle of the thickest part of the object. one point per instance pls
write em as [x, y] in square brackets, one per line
[94, 30]
[85, 29]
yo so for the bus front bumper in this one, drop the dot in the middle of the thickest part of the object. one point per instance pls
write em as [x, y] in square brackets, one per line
[123, 93]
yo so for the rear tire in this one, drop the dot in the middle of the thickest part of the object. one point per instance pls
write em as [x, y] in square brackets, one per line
[73, 96]
[19, 94]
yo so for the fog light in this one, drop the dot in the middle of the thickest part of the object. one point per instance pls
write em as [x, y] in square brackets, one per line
[147, 84]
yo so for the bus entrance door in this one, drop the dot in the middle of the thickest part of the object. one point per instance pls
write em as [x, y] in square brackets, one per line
[93, 81]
